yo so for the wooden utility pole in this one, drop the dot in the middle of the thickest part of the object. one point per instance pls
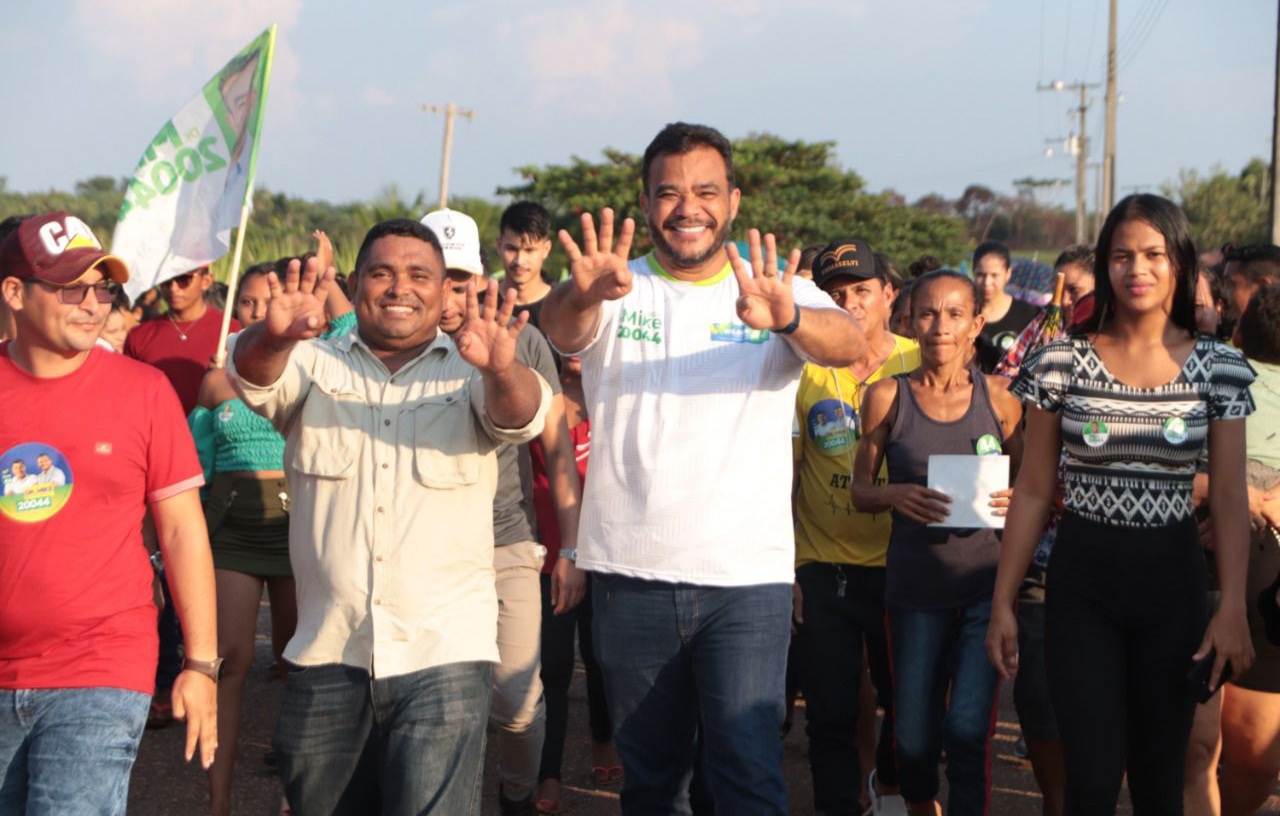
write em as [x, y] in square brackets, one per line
[450, 111]
[1109, 139]
[1079, 147]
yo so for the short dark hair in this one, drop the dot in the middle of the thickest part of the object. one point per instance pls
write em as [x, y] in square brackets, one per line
[1259, 263]
[402, 227]
[936, 275]
[992, 248]
[7, 228]
[527, 218]
[1080, 255]
[1170, 221]
[923, 265]
[888, 270]
[679, 138]
[1259, 327]
[809, 256]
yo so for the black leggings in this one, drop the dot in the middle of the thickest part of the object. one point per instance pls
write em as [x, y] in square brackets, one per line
[1125, 610]
[557, 673]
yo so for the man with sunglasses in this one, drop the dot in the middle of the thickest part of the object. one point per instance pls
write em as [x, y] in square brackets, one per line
[77, 622]
[182, 341]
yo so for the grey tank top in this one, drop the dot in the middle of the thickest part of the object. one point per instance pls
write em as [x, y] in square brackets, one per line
[937, 567]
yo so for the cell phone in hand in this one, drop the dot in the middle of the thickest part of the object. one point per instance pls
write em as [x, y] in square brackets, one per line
[1199, 675]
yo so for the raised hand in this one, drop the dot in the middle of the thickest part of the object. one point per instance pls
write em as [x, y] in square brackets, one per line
[765, 300]
[598, 268]
[487, 338]
[296, 309]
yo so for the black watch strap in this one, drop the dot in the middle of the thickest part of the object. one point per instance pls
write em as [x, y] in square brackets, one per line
[793, 325]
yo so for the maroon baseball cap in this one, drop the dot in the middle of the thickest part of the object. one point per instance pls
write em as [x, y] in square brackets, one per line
[57, 248]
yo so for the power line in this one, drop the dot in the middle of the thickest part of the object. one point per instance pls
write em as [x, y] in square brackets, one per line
[1093, 33]
[1133, 51]
[1066, 41]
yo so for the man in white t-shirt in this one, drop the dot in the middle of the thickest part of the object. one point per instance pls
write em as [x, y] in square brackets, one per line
[690, 366]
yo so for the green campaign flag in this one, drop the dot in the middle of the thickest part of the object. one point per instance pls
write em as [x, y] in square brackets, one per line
[186, 194]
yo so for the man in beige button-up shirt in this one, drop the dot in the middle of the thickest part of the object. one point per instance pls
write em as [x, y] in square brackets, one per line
[390, 436]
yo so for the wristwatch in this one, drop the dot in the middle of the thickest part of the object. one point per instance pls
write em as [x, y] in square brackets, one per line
[209, 668]
[570, 554]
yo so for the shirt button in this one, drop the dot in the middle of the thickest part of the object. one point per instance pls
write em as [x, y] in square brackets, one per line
[386, 422]
[385, 466]
[378, 558]
[377, 602]
[379, 509]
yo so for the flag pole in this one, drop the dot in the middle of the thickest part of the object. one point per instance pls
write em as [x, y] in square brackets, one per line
[220, 359]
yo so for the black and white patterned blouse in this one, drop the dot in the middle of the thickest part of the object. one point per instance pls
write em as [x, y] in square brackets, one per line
[1131, 452]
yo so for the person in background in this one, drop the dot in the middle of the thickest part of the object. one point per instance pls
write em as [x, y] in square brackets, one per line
[1004, 316]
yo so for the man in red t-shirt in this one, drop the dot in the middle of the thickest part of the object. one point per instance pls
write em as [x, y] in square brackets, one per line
[77, 622]
[182, 341]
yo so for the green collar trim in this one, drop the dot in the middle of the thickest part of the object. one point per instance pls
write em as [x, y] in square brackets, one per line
[711, 281]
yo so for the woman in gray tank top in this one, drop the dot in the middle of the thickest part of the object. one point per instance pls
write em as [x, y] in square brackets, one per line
[939, 579]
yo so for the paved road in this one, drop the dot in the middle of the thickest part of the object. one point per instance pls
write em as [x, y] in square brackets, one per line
[163, 785]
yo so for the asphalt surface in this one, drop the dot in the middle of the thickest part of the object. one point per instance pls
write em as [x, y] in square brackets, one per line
[164, 785]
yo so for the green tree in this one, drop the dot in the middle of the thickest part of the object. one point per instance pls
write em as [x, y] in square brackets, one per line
[1222, 207]
[795, 190]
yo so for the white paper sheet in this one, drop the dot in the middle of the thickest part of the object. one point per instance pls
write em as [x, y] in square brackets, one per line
[969, 481]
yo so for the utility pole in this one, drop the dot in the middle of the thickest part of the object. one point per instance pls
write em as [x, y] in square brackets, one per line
[450, 111]
[1079, 147]
[1109, 139]
[1275, 147]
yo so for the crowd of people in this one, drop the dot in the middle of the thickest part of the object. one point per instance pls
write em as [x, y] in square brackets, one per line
[449, 484]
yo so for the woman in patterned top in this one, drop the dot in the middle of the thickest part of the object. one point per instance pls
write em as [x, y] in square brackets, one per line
[1132, 399]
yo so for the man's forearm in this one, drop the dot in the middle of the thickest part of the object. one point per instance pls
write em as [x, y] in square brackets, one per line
[568, 322]
[513, 397]
[184, 542]
[259, 358]
[562, 471]
[828, 337]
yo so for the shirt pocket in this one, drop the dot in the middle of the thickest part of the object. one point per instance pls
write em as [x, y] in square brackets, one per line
[445, 450]
[333, 420]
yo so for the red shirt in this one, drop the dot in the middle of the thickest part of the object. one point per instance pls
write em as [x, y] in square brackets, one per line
[75, 583]
[160, 343]
[543, 505]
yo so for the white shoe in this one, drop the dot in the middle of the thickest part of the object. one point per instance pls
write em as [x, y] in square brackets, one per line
[889, 804]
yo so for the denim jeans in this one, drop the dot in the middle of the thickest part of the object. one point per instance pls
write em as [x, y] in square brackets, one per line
[68, 752]
[934, 649]
[843, 609]
[410, 744]
[679, 657]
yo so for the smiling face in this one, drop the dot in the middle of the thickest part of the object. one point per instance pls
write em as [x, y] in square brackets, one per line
[945, 320]
[44, 322]
[690, 207]
[399, 293]
[1142, 277]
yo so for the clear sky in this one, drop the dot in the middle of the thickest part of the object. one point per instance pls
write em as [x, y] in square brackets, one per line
[920, 95]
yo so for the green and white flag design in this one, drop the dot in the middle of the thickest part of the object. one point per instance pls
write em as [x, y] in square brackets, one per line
[186, 194]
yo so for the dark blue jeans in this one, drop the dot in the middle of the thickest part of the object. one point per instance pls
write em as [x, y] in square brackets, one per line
[677, 657]
[843, 609]
[69, 752]
[933, 650]
[410, 744]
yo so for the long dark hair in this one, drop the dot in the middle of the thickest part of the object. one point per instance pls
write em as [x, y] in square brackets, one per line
[1166, 218]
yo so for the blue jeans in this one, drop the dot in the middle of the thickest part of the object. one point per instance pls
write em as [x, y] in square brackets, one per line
[410, 744]
[678, 658]
[934, 649]
[69, 751]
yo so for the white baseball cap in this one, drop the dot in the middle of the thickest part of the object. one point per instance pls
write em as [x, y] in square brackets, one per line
[459, 237]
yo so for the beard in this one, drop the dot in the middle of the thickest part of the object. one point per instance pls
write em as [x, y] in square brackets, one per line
[689, 259]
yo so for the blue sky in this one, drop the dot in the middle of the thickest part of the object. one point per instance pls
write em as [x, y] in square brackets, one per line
[919, 95]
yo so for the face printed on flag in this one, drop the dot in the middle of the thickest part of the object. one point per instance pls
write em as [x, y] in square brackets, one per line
[188, 189]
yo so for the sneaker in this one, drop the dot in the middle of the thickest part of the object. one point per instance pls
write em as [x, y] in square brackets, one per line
[889, 804]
